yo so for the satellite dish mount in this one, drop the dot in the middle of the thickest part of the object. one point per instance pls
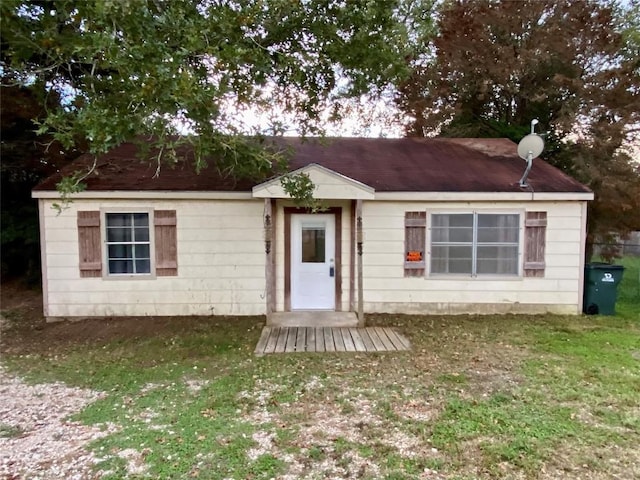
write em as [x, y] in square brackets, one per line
[529, 148]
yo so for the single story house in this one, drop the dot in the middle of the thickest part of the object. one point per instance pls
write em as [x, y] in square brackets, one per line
[411, 225]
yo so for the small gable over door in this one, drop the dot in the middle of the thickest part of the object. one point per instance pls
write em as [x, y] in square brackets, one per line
[328, 185]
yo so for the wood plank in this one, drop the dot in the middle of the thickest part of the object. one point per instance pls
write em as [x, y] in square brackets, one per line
[337, 338]
[329, 344]
[311, 339]
[330, 339]
[357, 340]
[382, 333]
[319, 339]
[291, 339]
[262, 342]
[378, 346]
[349, 346]
[366, 339]
[301, 339]
[352, 257]
[166, 243]
[271, 342]
[393, 336]
[282, 340]
[403, 340]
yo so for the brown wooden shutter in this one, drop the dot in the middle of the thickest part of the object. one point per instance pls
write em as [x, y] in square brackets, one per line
[415, 224]
[90, 251]
[166, 241]
[535, 230]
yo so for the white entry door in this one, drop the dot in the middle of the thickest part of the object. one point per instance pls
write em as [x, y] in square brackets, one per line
[313, 268]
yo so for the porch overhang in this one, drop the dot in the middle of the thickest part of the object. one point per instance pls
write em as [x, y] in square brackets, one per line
[329, 185]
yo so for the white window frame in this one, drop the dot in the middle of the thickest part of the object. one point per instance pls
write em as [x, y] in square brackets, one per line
[105, 244]
[474, 245]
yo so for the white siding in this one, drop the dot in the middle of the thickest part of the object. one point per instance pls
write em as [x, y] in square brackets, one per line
[387, 290]
[221, 263]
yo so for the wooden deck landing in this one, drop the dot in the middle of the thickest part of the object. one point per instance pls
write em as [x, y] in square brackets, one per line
[330, 339]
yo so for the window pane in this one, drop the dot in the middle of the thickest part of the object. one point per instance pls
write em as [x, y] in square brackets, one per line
[118, 219]
[313, 241]
[120, 251]
[143, 266]
[498, 228]
[452, 228]
[141, 219]
[141, 251]
[497, 260]
[118, 234]
[451, 259]
[120, 266]
[141, 234]
[452, 220]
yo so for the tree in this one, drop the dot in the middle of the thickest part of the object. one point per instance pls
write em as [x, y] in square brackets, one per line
[162, 68]
[26, 160]
[91, 74]
[572, 64]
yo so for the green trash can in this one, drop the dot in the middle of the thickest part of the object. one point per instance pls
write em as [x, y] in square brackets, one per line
[601, 288]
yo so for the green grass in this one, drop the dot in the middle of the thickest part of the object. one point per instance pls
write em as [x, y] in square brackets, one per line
[628, 303]
[477, 397]
[9, 431]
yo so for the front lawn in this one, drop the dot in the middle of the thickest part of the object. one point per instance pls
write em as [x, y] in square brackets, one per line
[476, 397]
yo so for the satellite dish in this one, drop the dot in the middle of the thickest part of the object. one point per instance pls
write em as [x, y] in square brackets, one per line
[530, 146]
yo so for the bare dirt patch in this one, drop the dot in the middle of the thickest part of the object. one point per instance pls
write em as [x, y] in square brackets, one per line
[24, 330]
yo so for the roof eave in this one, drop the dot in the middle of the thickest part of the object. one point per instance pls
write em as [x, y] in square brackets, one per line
[484, 196]
[146, 194]
[380, 196]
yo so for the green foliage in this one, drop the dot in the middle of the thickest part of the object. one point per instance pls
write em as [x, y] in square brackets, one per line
[163, 69]
[572, 64]
[300, 187]
[26, 160]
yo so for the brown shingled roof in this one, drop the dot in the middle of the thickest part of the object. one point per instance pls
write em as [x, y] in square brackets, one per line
[386, 164]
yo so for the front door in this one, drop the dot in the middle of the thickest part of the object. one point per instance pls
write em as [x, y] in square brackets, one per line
[313, 283]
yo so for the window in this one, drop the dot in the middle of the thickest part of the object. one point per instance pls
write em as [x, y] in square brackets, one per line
[128, 246]
[475, 244]
[313, 243]
[128, 243]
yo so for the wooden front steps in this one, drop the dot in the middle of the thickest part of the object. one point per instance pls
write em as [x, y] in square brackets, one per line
[330, 339]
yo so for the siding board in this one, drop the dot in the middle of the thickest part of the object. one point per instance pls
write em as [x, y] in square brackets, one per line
[220, 273]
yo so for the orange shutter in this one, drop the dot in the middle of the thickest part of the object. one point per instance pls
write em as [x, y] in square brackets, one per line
[415, 224]
[90, 251]
[166, 243]
[535, 231]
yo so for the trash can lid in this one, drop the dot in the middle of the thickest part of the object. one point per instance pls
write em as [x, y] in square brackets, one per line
[603, 266]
